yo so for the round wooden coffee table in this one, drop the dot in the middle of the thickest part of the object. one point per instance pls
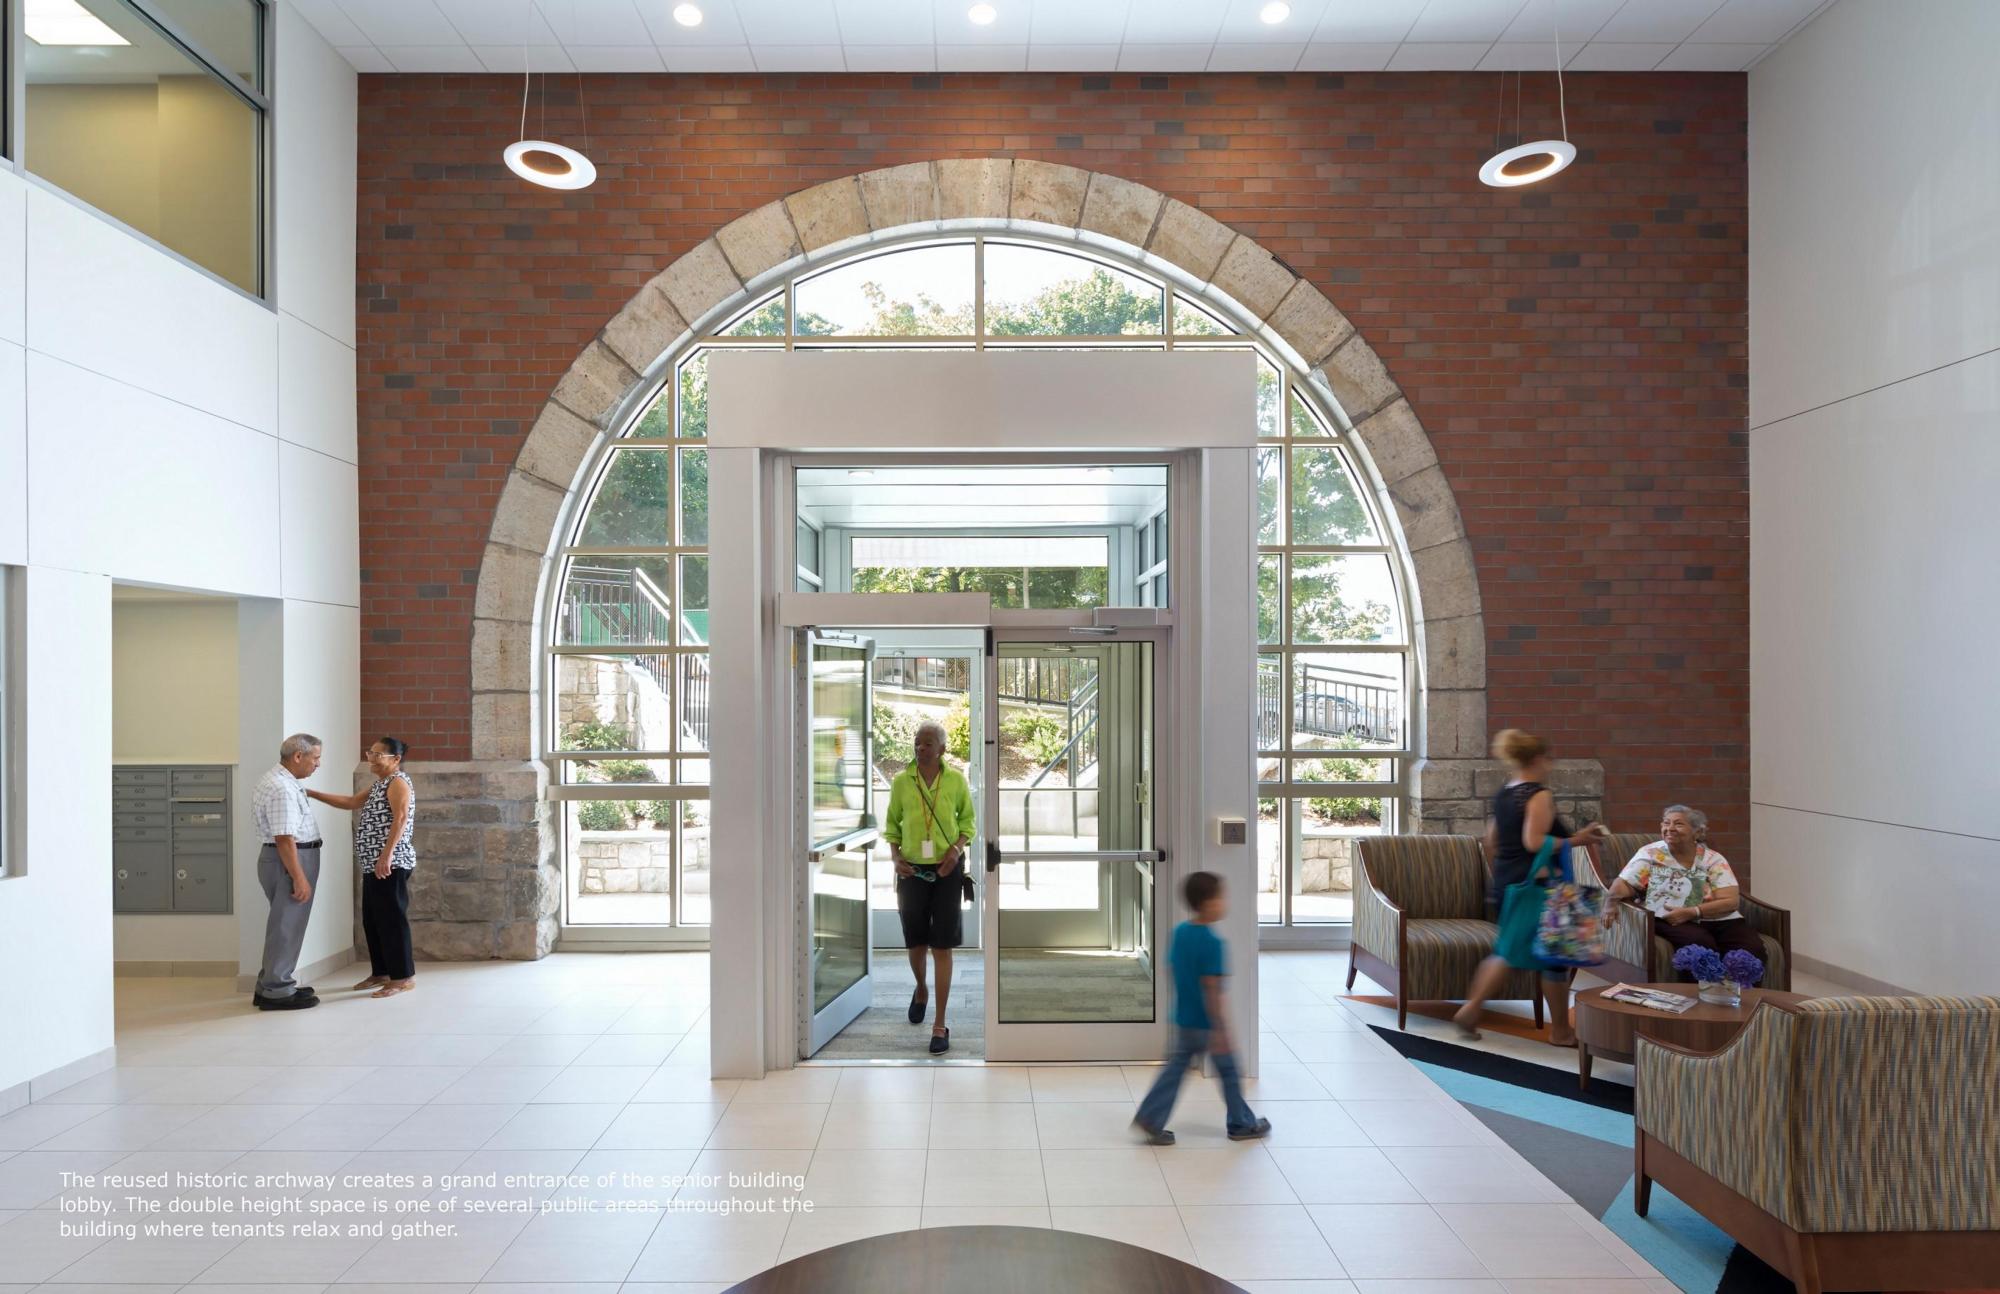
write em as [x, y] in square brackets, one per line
[1607, 1028]
[993, 1260]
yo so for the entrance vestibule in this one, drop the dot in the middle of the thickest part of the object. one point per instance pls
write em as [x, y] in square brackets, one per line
[1092, 719]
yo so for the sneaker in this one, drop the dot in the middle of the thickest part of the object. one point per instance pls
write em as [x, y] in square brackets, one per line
[1255, 1132]
[296, 1002]
[1154, 1136]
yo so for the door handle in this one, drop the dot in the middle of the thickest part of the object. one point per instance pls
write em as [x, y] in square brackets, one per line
[992, 856]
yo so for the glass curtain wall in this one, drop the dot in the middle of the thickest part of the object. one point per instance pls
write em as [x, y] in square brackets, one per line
[628, 668]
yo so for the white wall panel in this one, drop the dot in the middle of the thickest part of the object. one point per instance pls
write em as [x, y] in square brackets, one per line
[55, 920]
[1874, 200]
[322, 690]
[1908, 908]
[314, 240]
[105, 301]
[13, 455]
[130, 485]
[315, 389]
[1876, 607]
[1186, 399]
[322, 560]
[13, 257]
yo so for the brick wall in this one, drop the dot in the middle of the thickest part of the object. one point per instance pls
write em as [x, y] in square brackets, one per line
[1576, 350]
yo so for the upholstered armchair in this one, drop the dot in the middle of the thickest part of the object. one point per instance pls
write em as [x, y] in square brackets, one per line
[1851, 1143]
[1420, 926]
[1633, 953]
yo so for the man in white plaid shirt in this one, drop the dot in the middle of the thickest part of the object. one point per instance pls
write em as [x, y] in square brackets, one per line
[287, 868]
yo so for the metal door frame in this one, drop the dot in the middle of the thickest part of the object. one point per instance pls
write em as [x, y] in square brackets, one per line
[818, 1027]
[1083, 1040]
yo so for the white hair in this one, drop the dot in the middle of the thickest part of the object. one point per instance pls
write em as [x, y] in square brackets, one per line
[298, 744]
[1696, 818]
[931, 725]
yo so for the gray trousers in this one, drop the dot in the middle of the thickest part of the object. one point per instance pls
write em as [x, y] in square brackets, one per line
[285, 929]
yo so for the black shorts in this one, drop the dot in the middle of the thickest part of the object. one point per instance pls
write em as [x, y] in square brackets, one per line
[932, 911]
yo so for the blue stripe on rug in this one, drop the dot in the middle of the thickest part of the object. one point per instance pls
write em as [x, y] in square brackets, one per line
[1682, 1245]
[1527, 1103]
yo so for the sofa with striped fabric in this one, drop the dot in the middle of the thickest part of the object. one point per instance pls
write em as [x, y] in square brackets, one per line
[1851, 1143]
[1420, 926]
[1635, 954]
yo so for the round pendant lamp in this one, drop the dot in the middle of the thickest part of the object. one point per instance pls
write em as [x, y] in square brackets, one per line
[1510, 168]
[540, 161]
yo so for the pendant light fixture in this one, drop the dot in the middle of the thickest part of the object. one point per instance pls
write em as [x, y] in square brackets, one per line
[539, 161]
[1510, 168]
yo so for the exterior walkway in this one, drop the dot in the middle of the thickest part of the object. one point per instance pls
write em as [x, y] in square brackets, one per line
[586, 1076]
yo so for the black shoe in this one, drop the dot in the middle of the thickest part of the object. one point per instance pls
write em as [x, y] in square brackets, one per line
[940, 1041]
[1154, 1136]
[1255, 1132]
[919, 1002]
[296, 1002]
[304, 990]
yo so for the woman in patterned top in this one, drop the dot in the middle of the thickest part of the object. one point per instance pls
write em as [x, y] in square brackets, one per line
[385, 855]
[1688, 887]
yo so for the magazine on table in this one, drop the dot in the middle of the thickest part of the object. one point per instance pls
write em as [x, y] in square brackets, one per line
[1657, 999]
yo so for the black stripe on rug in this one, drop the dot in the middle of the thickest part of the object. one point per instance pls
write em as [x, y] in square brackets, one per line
[1505, 1069]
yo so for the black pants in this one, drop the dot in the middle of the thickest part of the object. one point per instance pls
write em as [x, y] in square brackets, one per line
[1722, 936]
[385, 920]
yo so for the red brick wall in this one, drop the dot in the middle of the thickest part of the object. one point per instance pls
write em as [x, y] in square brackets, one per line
[1576, 349]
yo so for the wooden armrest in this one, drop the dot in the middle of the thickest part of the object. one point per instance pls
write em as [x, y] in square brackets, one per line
[1641, 1041]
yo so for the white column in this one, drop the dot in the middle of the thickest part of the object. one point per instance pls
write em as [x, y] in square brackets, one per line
[743, 828]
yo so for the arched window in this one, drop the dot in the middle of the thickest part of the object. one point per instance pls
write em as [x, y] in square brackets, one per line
[627, 668]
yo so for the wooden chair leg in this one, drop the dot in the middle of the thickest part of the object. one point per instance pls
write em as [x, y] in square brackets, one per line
[1802, 1256]
[1350, 966]
[1642, 1185]
[1402, 1006]
[1538, 1006]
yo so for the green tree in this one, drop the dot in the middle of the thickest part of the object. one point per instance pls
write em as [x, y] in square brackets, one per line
[1101, 304]
[1043, 587]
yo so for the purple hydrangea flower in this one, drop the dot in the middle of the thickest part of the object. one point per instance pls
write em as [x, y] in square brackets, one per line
[1702, 963]
[1744, 968]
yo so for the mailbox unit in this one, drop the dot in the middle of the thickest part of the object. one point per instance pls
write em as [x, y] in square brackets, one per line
[170, 838]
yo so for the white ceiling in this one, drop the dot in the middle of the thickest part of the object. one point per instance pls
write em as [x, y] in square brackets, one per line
[1055, 35]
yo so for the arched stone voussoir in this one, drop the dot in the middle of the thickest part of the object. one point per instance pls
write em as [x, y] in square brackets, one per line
[898, 197]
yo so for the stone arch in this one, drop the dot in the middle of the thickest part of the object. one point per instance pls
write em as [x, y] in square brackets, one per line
[619, 369]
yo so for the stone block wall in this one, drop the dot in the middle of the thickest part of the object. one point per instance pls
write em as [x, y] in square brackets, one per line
[487, 882]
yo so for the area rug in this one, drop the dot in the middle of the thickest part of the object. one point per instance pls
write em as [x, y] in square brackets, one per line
[1582, 1141]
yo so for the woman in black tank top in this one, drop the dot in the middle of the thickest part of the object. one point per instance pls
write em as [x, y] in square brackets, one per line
[1524, 815]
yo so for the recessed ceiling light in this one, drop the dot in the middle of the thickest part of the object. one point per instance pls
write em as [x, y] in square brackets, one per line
[65, 22]
[687, 15]
[982, 14]
[1275, 12]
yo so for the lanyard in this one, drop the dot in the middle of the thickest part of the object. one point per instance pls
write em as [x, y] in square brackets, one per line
[930, 806]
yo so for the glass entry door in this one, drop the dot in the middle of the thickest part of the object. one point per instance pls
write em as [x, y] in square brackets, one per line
[838, 812]
[1071, 918]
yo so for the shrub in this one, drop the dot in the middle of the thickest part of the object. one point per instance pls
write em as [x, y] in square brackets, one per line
[894, 731]
[1039, 735]
[661, 812]
[597, 736]
[958, 729]
[600, 815]
[625, 770]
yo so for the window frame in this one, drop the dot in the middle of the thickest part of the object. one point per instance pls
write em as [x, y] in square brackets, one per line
[259, 98]
[1327, 419]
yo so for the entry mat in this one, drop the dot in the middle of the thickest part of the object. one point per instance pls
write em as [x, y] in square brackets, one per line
[1582, 1141]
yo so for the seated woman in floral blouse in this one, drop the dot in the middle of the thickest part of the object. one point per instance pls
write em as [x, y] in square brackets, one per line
[1688, 887]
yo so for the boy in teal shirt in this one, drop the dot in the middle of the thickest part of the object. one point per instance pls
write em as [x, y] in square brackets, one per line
[1199, 961]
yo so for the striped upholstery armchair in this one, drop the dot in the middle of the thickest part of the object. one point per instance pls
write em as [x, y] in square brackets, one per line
[1851, 1143]
[1420, 926]
[1634, 954]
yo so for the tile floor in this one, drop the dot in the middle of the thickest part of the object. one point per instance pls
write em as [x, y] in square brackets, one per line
[585, 1078]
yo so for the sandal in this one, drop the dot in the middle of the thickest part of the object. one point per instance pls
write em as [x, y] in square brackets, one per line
[373, 981]
[394, 987]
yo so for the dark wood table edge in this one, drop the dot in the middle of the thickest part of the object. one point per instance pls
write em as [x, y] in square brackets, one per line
[1585, 1055]
[862, 1265]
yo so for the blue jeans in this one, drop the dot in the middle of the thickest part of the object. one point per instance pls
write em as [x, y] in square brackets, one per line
[1182, 1048]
